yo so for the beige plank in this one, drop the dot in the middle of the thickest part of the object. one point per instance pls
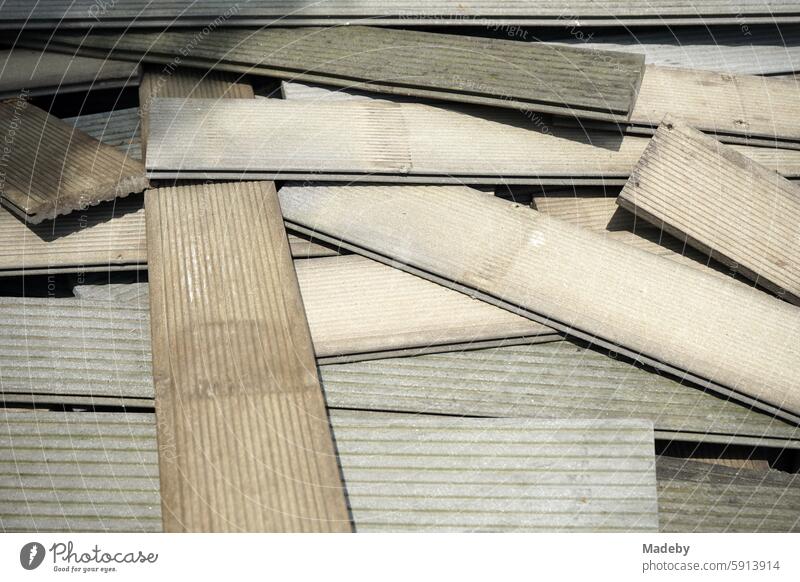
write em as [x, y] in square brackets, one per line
[244, 438]
[721, 203]
[168, 81]
[738, 341]
[50, 168]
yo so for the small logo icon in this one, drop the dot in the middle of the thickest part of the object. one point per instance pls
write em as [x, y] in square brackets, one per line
[31, 555]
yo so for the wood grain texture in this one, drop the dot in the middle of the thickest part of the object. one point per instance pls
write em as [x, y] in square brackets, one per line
[721, 203]
[738, 341]
[720, 103]
[167, 81]
[244, 438]
[530, 76]
[50, 168]
[384, 141]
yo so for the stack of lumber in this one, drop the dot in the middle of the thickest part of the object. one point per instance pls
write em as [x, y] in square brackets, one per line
[322, 278]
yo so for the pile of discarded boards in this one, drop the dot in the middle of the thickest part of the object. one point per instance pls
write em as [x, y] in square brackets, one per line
[321, 272]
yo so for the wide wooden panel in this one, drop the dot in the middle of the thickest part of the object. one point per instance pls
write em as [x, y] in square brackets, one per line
[244, 438]
[736, 340]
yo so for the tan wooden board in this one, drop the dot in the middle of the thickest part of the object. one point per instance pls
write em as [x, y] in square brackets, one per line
[244, 438]
[735, 340]
[50, 168]
[721, 203]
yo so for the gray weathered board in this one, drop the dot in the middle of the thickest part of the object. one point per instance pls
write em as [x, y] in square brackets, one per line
[735, 340]
[469, 69]
[698, 497]
[102, 352]
[119, 128]
[51, 168]
[33, 73]
[756, 50]
[106, 237]
[721, 203]
[489, 13]
[82, 471]
[229, 342]
[375, 140]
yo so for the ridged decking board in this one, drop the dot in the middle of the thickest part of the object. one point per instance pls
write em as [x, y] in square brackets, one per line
[737, 341]
[600, 213]
[555, 380]
[102, 352]
[737, 109]
[701, 497]
[761, 50]
[120, 293]
[426, 474]
[49, 73]
[109, 236]
[125, 13]
[468, 69]
[158, 81]
[119, 128]
[721, 203]
[106, 237]
[50, 168]
[233, 342]
[376, 140]
[80, 471]
[80, 349]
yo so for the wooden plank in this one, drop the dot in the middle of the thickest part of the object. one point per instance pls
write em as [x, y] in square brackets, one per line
[378, 140]
[737, 341]
[721, 203]
[49, 168]
[39, 73]
[490, 13]
[535, 77]
[230, 340]
[184, 83]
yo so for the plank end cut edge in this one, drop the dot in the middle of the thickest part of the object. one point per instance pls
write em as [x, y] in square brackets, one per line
[245, 442]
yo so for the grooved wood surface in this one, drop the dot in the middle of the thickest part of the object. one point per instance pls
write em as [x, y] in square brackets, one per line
[49, 73]
[167, 81]
[721, 203]
[469, 69]
[109, 236]
[50, 168]
[736, 340]
[720, 102]
[119, 128]
[244, 438]
[383, 141]
[492, 13]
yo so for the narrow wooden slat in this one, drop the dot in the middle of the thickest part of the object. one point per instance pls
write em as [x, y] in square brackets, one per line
[244, 438]
[50, 168]
[721, 203]
[735, 340]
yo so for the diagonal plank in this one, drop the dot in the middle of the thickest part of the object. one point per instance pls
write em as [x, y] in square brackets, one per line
[721, 203]
[735, 340]
[244, 438]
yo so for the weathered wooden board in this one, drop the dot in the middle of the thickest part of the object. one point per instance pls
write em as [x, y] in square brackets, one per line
[376, 140]
[231, 341]
[738, 341]
[721, 203]
[169, 81]
[50, 168]
[491, 13]
[469, 69]
[35, 73]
